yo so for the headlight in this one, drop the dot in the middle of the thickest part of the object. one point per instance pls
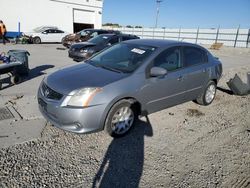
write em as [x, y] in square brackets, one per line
[84, 50]
[87, 51]
[82, 97]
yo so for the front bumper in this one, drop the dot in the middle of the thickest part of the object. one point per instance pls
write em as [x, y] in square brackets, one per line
[76, 120]
[76, 56]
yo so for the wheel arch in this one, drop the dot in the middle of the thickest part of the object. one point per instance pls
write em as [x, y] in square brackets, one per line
[37, 37]
[215, 81]
[136, 105]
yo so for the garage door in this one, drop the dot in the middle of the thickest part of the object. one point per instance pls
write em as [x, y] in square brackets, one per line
[84, 16]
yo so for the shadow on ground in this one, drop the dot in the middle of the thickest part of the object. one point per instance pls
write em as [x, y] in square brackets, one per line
[122, 164]
[227, 91]
[35, 72]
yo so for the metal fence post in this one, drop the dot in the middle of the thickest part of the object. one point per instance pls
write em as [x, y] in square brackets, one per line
[217, 34]
[153, 33]
[19, 29]
[197, 34]
[164, 34]
[248, 38]
[236, 37]
[142, 32]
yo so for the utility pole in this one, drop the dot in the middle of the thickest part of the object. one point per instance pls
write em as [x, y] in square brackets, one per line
[157, 12]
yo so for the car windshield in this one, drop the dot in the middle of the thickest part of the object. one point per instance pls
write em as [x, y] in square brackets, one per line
[84, 33]
[99, 39]
[123, 57]
[42, 28]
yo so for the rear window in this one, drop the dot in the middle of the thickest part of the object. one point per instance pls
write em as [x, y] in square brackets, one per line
[128, 38]
[194, 56]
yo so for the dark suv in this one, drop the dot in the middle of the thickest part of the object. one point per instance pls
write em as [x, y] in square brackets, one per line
[83, 50]
[84, 35]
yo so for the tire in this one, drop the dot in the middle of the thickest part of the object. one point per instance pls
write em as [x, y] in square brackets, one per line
[208, 94]
[126, 122]
[37, 40]
[16, 79]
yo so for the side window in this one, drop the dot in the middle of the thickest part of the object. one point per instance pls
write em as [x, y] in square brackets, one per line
[102, 32]
[126, 38]
[169, 59]
[51, 31]
[94, 34]
[194, 56]
[47, 31]
[114, 40]
[58, 31]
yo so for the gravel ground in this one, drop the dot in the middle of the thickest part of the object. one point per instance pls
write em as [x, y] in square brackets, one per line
[183, 146]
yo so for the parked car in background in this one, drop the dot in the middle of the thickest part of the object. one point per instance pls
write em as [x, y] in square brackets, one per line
[84, 35]
[83, 50]
[46, 34]
[131, 78]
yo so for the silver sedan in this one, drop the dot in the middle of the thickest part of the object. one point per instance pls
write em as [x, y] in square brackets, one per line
[137, 77]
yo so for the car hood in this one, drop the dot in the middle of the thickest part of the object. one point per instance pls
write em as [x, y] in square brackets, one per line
[81, 45]
[31, 33]
[80, 76]
[72, 37]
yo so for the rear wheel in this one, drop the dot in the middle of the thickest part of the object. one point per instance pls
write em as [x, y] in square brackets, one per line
[121, 118]
[208, 95]
[37, 40]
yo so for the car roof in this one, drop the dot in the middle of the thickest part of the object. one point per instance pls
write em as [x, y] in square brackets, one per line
[157, 42]
[90, 29]
[119, 34]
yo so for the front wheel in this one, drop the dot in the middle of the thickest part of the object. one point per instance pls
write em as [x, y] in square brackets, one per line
[37, 40]
[121, 118]
[208, 95]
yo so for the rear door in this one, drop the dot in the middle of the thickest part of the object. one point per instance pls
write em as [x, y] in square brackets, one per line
[195, 71]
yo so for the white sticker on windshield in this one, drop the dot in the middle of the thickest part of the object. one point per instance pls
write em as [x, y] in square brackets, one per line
[138, 51]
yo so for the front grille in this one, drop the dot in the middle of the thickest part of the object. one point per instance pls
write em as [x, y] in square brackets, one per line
[50, 93]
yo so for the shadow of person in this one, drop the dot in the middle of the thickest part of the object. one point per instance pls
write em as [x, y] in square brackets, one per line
[122, 165]
[33, 73]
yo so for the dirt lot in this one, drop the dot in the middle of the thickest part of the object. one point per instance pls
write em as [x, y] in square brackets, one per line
[183, 146]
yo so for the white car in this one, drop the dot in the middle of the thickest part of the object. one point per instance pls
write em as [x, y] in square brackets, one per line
[46, 34]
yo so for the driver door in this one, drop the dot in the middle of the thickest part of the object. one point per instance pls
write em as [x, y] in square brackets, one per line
[169, 90]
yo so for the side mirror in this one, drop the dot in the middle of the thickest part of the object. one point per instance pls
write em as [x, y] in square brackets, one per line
[109, 44]
[157, 72]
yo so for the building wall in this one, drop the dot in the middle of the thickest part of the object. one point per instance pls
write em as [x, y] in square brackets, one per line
[35, 13]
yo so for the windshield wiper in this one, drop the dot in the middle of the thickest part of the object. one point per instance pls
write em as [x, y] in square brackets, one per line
[102, 66]
[109, 68]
